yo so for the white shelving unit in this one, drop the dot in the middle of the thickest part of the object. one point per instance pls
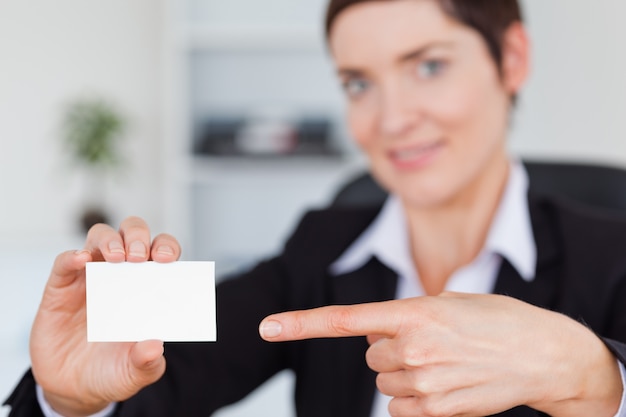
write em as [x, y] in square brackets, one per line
[243, 59]
[245, 56]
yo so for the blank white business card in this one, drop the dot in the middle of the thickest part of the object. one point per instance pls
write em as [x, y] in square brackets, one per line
[130, 302]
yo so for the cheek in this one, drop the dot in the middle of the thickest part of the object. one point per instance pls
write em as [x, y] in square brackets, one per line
[456, 105]
[473, 108]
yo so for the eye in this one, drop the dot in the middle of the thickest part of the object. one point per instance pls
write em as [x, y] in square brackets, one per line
[430, 68]
[354, 87]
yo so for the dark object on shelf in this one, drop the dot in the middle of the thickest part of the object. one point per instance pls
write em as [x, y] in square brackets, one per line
[217, 136]
[236, 136]
[313, 137]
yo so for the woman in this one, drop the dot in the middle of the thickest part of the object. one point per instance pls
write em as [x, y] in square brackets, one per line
[430, 86]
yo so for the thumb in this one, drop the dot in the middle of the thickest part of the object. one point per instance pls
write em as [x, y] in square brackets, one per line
[147, 362]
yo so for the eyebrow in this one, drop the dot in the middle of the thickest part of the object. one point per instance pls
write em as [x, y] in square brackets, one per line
[408, 56]
[412, 55]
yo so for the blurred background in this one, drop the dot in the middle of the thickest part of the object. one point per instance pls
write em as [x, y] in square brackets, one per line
[225, 120]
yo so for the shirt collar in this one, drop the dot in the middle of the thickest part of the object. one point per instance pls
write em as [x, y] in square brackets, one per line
[510, 234]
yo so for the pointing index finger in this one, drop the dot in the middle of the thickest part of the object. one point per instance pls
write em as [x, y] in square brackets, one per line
[332, 321]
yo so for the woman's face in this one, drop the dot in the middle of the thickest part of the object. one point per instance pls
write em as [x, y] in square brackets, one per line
[425, 99]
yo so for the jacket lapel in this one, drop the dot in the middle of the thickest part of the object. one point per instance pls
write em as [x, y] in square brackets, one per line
[542, 290]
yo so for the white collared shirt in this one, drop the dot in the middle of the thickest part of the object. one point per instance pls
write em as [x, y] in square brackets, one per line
[510, 237]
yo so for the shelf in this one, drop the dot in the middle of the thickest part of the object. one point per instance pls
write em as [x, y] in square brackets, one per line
[235, 171]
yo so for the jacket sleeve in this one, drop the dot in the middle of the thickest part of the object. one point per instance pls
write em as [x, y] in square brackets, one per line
[23, 399]
[618, 349]
[615, 335]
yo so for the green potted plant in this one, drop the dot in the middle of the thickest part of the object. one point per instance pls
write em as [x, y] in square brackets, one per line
[92, 131]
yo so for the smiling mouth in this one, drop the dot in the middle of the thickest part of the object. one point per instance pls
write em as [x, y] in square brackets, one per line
[416, 154]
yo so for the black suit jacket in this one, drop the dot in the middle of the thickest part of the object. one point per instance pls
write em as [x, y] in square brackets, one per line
[581, 272]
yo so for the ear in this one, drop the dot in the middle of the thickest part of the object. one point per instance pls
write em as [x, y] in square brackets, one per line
[515, 57]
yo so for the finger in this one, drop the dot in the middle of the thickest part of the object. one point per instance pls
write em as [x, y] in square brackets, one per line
[397, 384]
[136, 236]
[428, 406]
[68, 267]
[373, 338]
[147, 362]
[406, 407]
[105, 244]
[383, 356]
[420, 383]
[165, 248]
[333, 321]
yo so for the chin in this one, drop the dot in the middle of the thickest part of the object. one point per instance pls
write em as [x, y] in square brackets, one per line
[423, 197]
[425, 201]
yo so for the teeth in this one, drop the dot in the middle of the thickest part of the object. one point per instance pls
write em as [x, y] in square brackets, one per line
[407, 154]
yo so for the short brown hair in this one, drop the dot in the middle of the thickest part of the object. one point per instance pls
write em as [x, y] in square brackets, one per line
[490, 18]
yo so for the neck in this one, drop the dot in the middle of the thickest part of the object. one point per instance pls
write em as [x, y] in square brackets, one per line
[452, 234]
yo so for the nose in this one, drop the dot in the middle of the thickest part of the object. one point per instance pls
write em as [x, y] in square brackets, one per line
[399, 111]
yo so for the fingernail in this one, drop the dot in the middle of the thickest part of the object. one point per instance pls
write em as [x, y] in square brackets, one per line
[270, 329]
[82, 252]
[137, 249]
[116, 247]
[165, 250]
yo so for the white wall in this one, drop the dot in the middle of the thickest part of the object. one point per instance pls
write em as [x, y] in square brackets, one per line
[574, 105]
[55, 51]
